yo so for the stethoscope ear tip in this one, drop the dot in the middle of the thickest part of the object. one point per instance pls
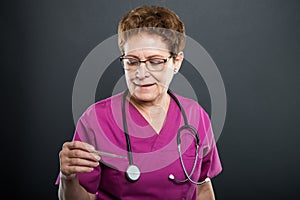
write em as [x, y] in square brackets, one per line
[207, 179]
[171, 177]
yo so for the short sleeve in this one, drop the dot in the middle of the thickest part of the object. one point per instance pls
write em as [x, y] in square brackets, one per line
[90, 181]
[211, 164]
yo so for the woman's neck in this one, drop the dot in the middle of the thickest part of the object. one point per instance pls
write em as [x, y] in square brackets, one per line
[162, 101]
[155, 111]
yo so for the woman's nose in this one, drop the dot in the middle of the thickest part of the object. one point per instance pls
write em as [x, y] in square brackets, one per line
[142, 71]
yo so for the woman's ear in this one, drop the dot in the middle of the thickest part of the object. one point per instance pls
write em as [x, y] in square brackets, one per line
[177, 61]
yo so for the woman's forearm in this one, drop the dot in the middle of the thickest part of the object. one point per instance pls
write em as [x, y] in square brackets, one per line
[205, 192]
[71, 189]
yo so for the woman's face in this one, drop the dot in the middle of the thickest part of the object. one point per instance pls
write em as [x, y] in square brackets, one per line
[144, 84]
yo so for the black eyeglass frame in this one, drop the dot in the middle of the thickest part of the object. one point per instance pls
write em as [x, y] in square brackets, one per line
[165, 60]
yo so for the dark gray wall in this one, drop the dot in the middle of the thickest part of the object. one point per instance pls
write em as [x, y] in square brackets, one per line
[255, 44]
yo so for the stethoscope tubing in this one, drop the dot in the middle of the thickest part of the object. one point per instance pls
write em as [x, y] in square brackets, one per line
[129, 151]
[133, 172]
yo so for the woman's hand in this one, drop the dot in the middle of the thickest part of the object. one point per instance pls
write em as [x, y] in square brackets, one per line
[77, 157]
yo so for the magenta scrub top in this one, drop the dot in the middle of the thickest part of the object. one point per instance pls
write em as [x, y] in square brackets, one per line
[155, 154]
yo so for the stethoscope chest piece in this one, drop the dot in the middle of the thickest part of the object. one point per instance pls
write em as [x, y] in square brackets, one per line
[133, 173]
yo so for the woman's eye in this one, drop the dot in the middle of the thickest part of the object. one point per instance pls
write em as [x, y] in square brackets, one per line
[156, 61]
[132, 62]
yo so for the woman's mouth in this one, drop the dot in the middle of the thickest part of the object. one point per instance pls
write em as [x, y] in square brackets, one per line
[145, 86]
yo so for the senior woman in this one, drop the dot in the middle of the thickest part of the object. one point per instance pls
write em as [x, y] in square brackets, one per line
[146, 142]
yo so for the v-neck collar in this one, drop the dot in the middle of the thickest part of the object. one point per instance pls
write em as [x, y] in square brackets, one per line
[140, 120]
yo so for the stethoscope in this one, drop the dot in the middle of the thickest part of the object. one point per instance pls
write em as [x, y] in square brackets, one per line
[133, 172]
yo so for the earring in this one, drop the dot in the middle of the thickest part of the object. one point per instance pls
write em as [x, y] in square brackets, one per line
[175, 70]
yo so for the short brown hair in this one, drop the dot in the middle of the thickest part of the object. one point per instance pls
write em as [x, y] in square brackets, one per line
[155, 20]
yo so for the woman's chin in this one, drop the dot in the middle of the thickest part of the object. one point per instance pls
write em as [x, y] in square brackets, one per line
[143, 97]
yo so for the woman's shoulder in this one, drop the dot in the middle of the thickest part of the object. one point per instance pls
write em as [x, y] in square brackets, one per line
[110, 100]
[190, 104]
[187, 101]
[103, 105]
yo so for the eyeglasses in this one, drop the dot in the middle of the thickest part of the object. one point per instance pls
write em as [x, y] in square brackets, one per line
[154, 64]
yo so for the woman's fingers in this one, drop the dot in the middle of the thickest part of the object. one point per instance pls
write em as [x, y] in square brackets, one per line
[79, 145]
[77, 149]
[78, 153]
[77, 157]
[77, 165]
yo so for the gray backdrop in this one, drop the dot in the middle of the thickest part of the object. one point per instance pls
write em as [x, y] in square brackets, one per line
[255, 44]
